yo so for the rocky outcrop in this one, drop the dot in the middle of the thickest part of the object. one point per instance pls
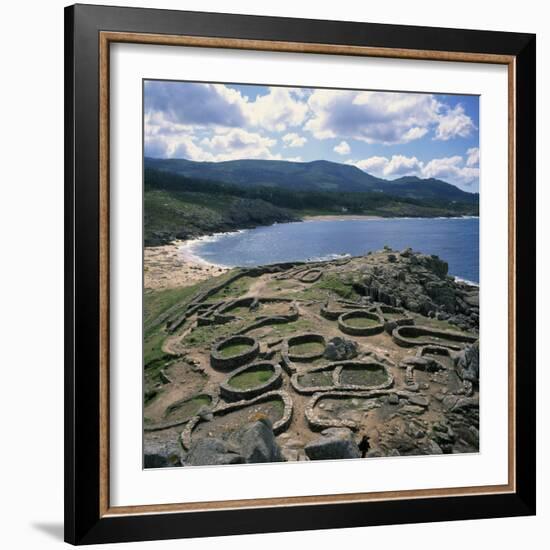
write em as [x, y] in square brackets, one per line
[467, 364]
[250, 444]
[211, 451]
[420, 283]
[256, 442]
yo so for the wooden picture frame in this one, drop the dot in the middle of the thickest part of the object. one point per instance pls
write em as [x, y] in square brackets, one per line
[89, 32]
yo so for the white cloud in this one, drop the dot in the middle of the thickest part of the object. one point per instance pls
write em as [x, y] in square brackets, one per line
[373, 117]
[454, 123]
[383, 117]
[239, 144]
[342, 148]
[450, 169]
[224, 145]
[397, 166]
[294, 140]
[217, 105]
[473, 157]
[277, 110]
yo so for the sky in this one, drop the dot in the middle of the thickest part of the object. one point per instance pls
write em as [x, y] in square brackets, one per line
[387, 134]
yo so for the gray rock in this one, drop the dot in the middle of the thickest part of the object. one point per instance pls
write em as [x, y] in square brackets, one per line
[393, 399]
[344, 433]
[467, 363]
[162, 454]
[212, 451]
[339, 349]
[449, 401]
[256, 442]
[413, 409]
[334, 445]
[433, 448]
[390, 326]
[418, 400]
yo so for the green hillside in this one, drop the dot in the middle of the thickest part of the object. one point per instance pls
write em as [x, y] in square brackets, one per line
[178, 207]
[310, 176]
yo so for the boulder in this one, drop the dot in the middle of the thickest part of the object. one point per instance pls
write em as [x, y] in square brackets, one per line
[340, 349]
[162, 454]
[256, 442]
[336, 443]
[212, 451]
[468, 363]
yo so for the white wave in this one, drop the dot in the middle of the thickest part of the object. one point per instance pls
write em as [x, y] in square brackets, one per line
[328, 257]
[468, 282]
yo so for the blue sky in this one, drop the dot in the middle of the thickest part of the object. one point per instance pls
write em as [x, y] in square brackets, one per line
[387, 134]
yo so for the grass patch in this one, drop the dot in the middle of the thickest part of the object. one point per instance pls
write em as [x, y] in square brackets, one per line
[316, 379]
[187, 408]
[157, 302]
[363, 376]
[330, 286]
[251, 378]
[152, 348]
[276, 407]
[234, 290]
[236, 349]
[361, 322]
[307, 348]
[206, 335]
[286, 329]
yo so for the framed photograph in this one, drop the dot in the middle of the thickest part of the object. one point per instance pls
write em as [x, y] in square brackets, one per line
[300, 274]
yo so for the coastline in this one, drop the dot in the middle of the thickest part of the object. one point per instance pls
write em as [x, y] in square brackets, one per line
[174, 265]
[338, 217]
[359, 217]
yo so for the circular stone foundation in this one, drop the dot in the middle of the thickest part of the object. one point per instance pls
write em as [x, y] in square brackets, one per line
[310, 276]
[251, 380]
[360, 323]
[306, 347]
[408, 336]
[234, 352]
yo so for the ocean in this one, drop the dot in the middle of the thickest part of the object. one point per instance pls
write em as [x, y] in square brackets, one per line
[455, 240]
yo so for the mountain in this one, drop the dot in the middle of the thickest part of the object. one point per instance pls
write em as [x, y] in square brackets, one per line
[319, 175]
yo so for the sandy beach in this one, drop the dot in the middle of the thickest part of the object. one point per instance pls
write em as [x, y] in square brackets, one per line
[171, 266]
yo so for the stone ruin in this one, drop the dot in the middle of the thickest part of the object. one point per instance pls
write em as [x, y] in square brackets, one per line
[354, 358]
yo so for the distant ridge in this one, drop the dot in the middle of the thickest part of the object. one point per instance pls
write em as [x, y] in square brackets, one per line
[319, 175]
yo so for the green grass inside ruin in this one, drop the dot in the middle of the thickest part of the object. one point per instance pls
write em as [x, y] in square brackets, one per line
[316, 379]
[235, 349]
[187, 408]
[367, 376]
[361, 322]
[251, 378]
[307, 348]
